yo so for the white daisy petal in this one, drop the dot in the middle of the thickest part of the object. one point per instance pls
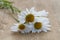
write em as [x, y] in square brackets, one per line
[16, 24]
[37, 14]
[14, 29]
[44, 20]
[45, 30]
[43, 13]
[48, 25]
[27, 10]
[33, 31]
[21, 19]
[32, 9]
[48, 29]
[27, 31]
[38, 31]
[21, 13]
[24, 12]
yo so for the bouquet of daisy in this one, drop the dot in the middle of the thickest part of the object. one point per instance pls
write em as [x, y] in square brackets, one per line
[31, 21]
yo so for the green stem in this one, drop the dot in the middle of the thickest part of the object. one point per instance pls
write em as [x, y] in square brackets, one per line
[15, 18]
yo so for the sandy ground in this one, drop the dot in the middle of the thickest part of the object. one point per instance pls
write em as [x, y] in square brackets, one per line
[52, 6]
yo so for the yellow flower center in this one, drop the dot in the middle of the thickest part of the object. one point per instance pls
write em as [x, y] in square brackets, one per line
[37, 25]
[21, 27]
[29, 18]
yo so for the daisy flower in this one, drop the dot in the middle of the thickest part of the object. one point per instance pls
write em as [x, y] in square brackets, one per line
[30, 15]
[23, 28]
[40, 24]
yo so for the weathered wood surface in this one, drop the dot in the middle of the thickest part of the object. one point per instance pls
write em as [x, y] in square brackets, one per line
[52, 6]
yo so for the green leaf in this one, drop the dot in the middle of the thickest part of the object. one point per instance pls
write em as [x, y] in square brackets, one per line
[16, 10]
[8, 5]
[5, 4]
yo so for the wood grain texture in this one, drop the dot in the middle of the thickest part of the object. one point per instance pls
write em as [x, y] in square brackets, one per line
[52, 6]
